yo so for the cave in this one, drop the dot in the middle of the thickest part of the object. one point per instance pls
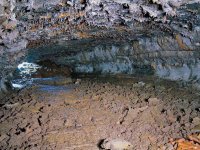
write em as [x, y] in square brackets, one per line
[100, 74]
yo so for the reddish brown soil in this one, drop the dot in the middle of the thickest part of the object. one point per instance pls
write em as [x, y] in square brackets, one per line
[78, 117]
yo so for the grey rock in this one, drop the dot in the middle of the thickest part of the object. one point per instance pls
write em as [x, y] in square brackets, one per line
[116, 144]
[165, 34]
[153, 101]
[17, 46]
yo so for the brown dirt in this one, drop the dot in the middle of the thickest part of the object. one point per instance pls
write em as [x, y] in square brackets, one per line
[78, 117]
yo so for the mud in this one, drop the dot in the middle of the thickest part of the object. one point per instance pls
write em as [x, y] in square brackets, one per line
[148, 113]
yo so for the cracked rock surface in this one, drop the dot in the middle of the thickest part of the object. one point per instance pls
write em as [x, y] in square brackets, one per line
[147, 114]
[25, 24]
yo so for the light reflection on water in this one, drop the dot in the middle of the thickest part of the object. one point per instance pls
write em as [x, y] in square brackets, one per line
[27, 68]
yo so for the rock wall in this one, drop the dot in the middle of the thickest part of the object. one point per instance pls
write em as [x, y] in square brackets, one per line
[144, 56]
[171, 26]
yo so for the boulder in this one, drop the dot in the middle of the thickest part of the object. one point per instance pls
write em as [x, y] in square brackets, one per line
[116, 144]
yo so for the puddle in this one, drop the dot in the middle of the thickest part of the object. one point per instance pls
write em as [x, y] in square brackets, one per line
[54, 89]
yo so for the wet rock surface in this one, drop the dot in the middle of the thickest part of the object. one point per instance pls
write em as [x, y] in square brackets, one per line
[145, 112]
[147, 55]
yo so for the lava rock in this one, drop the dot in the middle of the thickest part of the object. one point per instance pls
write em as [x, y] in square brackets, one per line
[153, 101]
[116, 144]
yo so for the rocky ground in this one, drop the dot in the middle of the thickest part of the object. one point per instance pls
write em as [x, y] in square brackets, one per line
[149, 114]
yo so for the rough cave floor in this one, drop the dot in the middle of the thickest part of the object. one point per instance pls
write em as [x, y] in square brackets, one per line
[150, 114]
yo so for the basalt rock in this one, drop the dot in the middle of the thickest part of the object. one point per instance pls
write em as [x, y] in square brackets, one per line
[160, 33]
